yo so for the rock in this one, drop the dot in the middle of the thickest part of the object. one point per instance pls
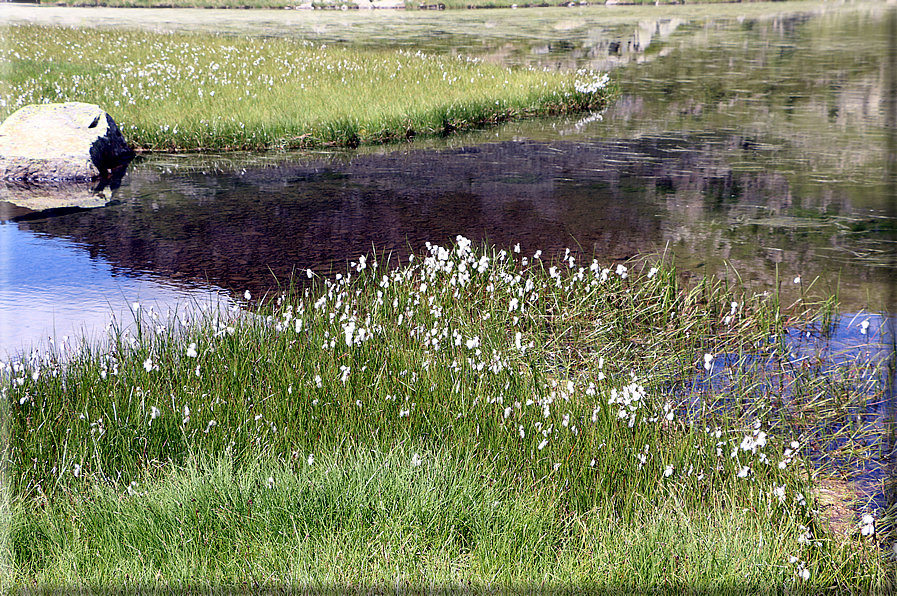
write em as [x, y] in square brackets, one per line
[63, 141]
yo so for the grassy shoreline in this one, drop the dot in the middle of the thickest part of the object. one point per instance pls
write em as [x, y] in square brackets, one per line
[181, 92]
[476, 418]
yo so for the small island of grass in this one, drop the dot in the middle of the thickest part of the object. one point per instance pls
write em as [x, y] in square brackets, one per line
[183, 92]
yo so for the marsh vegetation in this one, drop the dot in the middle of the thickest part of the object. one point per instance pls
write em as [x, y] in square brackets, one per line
[473, 417]
[210, 92]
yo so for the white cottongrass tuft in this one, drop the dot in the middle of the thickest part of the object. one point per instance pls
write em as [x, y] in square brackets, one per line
[868, 525]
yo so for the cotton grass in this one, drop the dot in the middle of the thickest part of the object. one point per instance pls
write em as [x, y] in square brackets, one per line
[206, 92]
[505, 418]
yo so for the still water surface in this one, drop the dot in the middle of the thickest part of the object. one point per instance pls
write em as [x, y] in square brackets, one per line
[751, 144]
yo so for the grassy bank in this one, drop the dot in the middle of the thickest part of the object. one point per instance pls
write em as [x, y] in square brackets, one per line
[202, 92]
[473, 419]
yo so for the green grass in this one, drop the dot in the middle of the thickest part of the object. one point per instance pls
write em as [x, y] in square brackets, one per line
[472, 420]
[202, 92]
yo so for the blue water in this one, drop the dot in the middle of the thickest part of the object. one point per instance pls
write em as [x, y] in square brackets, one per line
[55, 289]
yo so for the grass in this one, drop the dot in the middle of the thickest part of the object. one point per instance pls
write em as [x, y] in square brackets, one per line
[472, 420]
[176, 92]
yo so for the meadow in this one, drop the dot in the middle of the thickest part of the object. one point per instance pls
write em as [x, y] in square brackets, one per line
[474, 419]
[176, 91]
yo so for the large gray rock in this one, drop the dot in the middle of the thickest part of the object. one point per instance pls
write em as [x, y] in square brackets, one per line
[62, 141]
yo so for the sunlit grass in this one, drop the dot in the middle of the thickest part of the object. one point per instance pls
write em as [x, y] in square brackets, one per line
[476, 417]
[204, 92]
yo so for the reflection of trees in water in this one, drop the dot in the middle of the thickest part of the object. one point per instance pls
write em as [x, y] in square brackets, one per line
[614, 199]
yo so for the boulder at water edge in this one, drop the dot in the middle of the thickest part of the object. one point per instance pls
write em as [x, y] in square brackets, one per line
[62, 141]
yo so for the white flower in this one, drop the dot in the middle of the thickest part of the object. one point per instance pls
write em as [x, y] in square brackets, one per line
[415, 460]
[797, 279]
[708, 361]
[868, 528]
[191, 351]
[76, 470]
[311, 459]
[779, 492]
[864, 326]
[247, 295]
[668, 471]
[743, 472]
[148, 364]
[543, 444]
[154, 412]
[652, 272]
[270, 482]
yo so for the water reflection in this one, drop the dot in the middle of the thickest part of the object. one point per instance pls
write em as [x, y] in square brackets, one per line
[252, 227]
[54, 292]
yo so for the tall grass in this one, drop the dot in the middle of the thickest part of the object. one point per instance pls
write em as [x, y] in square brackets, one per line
[202, 92]
[475, 417]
